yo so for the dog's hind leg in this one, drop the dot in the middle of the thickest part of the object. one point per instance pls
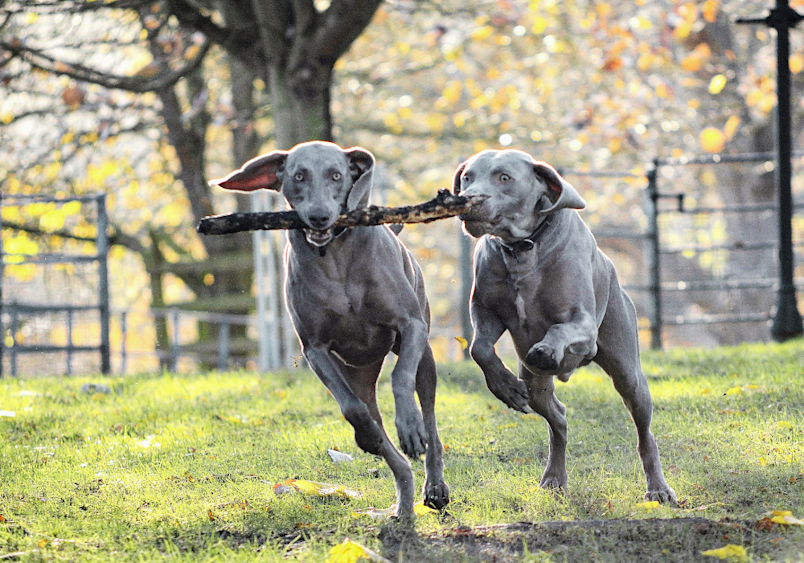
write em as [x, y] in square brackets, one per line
[619, 356]
[435, 491]
[363, 381]
[543, 400]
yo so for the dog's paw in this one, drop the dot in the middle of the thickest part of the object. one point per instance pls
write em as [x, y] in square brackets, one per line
[436, 495]
[665, 495]
[554, 482]
[513, 392]
[368, 434]
[412, 437]
[544, 357]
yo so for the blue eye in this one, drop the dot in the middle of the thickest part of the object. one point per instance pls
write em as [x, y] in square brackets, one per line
[336, 176]
[504, 177]
[298, 177]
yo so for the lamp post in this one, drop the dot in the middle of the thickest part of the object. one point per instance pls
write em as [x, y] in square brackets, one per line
[787, 320]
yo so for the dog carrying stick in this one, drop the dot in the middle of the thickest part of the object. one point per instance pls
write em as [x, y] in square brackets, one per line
[442, 206]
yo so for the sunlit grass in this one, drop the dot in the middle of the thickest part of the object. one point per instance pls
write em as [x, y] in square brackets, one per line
[186, 465]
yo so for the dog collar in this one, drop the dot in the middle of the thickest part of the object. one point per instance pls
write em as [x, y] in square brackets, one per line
[527, 243]
[322, 250]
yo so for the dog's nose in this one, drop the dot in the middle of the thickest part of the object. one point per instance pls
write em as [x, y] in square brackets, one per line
[318, 221]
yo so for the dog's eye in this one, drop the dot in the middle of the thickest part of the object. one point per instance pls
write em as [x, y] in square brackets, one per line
[504, 177]
[336, 176]
[298, 177]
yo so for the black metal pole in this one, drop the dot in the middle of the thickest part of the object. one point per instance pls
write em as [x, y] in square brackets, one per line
[787, 322]
[654, 265]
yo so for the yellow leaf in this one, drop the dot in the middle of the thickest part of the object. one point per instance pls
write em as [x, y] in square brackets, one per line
[735, 391]
[710, 10]
[419, 509]
[784, 424]
[346, 552]
[324, 489]
[482, 32]
[796, 63]
[731, 127]
[712, 140]
[6, 118]
[785, 517]
[717, 84]
[649, 505]
[731, 552]
[462, 341]
[539, 25]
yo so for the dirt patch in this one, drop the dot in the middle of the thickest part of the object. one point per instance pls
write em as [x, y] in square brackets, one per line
[620, 541]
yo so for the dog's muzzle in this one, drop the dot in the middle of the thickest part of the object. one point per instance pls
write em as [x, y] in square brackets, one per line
[319, 238]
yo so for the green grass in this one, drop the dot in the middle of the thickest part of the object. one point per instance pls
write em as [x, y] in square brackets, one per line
[183, 467]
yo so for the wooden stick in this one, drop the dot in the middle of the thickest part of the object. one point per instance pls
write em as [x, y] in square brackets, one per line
[444, 205]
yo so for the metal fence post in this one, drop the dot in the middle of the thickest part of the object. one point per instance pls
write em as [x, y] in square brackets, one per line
[466, 287]
[123, 334]
[223, 345]
[102, 247]
[174, 345]
[653, 259]
[15, 326]
[69, 341]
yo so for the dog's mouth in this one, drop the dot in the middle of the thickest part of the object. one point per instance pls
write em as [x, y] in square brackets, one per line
[318, 238]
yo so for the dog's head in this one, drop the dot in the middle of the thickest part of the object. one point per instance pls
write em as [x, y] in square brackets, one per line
[320, 180]
[520, 190]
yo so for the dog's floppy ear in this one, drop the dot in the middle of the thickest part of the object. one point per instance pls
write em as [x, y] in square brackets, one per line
[456, 178]
[560, 193]
[361, 165]
[261, 172]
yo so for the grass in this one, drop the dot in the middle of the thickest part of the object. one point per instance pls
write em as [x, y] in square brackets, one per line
[184, 467]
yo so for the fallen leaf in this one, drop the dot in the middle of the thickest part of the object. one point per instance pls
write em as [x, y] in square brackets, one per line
[319, 489]
[339, 457]
[419, 509]
[350, 552]
[649, 505]
[784, 517]
[730, 552]
[463, 342]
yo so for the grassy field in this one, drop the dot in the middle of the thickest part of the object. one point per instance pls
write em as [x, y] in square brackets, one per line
[187, 467]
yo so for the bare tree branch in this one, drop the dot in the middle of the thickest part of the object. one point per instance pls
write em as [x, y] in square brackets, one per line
[40, 60]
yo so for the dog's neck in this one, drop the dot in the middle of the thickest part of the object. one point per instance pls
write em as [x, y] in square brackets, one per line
[526, 244]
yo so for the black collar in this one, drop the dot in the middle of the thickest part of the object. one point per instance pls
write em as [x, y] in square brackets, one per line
[527, 243]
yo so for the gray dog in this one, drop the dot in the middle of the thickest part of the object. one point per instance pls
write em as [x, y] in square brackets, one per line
[354, 295]
[540, 275]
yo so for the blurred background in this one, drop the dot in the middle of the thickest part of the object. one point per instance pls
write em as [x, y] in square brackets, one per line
[118, 113]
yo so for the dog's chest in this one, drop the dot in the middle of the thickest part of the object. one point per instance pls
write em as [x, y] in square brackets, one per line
[523, 279]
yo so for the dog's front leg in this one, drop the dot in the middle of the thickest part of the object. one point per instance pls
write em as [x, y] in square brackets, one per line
[578, 336]
[501, 381]
[409, 423]
[541, 389]
[368, 434]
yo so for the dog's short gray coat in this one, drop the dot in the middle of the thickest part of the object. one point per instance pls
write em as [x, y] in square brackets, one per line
[354, 296]
[539, 274]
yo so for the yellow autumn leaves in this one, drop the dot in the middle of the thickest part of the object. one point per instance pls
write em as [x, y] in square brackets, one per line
[714, 140]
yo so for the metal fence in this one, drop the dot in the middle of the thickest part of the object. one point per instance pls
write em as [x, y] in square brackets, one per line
[672, 204]
[68, 287]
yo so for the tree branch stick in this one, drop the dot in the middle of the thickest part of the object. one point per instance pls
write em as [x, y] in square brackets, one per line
[442, 206]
